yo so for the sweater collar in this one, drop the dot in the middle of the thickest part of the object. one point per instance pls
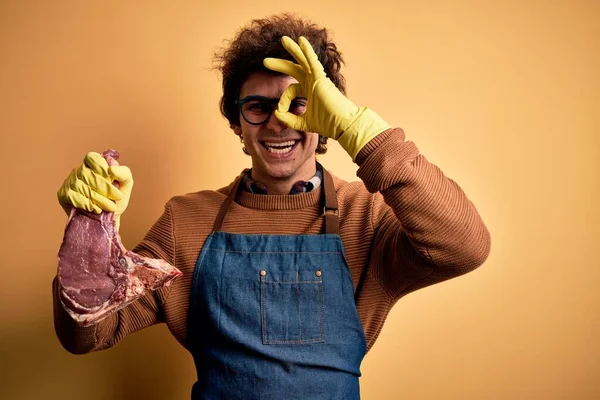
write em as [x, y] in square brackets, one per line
[250, 185]
[282, 201]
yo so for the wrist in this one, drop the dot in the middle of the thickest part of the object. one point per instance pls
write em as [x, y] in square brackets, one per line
[364, 128]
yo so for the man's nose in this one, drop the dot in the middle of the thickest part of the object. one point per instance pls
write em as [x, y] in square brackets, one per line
[274, 124]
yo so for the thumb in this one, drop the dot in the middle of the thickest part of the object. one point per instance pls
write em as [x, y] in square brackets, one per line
[122, 174]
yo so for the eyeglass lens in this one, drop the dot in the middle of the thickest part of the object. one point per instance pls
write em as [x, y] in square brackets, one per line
[258, 110]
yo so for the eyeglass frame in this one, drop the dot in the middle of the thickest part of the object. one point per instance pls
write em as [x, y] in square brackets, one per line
[272, 101]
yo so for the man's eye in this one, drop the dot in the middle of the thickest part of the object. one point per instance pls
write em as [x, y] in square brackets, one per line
[258, 107]
[298, 106]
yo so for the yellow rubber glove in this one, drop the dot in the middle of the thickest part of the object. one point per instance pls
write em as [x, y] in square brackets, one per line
[328, 112]
[90, 187]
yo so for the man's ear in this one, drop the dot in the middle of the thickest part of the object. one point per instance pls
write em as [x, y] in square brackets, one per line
[237, 130]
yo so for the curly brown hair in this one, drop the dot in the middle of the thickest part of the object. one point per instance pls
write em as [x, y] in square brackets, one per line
[244, 54]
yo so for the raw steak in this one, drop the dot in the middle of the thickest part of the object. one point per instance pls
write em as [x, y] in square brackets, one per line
[97, 276]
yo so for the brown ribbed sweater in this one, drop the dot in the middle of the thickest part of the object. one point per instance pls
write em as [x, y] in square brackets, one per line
[404, 227]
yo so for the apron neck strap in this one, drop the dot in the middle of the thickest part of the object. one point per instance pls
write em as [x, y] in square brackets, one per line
[329, 203]
[331, 211]
[227, 203]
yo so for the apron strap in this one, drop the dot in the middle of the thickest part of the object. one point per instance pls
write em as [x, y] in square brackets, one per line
[331, 211]
[227, 203]
[329, 203]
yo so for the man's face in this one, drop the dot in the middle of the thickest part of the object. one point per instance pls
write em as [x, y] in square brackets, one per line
[278, 152]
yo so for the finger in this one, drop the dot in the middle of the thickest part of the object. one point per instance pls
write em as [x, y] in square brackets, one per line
[82, 202]
[96, 163]
[98, 199]
[296, 52]
[69, 181]
[314, 64]
[285, 67]
[120, 173]
[292, 91]
[291, 120]
[98, 183]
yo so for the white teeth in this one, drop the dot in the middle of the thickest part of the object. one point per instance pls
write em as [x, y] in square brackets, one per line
[280, 145]
[280, 148]
[279, 151]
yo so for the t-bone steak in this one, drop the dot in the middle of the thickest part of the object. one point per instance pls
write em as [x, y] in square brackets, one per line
[97, 276]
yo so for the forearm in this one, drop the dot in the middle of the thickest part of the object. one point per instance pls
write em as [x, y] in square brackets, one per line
[106, 333]
[433, 212]
[77, 339]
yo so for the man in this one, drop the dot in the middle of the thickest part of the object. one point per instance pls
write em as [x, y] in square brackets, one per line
[288, 272]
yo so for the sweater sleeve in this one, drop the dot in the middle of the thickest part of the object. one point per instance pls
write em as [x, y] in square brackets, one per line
[159, 242]
[429, 231]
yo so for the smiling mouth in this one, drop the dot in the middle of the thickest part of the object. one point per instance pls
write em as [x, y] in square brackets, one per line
[280, 148]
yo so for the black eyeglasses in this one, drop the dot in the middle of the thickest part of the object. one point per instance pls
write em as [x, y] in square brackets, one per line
[256, 110]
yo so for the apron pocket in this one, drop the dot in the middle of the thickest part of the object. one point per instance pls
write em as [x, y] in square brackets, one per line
[292, 307]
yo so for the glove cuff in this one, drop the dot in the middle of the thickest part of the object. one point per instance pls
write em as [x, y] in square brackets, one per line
[364, 128]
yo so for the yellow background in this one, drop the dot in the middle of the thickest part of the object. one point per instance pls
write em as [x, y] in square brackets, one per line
[502, 95]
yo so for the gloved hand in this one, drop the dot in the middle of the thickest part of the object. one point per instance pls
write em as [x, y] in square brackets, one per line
[328, 112]
[90, 187]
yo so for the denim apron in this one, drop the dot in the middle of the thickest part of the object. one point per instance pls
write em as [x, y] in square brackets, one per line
[273, 316]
